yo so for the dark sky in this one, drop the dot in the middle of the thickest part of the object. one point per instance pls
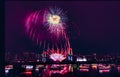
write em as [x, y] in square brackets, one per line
[97, 22]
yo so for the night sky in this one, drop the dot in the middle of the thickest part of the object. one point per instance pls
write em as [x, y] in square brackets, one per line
[97, 27]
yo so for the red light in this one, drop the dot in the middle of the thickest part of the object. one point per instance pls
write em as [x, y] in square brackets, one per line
[104, 71]
[84, 70]
[119, 68]
[28, 73]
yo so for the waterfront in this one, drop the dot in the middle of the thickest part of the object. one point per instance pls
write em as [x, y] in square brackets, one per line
[63, 70]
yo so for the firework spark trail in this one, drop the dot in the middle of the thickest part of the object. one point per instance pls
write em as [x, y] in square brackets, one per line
[37, 40]
[37, 17]
[33, 17]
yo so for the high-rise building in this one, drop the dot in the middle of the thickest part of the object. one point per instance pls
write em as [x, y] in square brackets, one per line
[70, 55]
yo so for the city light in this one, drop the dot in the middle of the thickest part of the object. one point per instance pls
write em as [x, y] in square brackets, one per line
[81, 59]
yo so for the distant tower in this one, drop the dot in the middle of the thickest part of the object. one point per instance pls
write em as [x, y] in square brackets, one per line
[94, 56]
[70, 55]
[44, 55]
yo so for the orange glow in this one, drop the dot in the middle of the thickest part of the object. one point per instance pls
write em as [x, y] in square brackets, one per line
[54, 19]
[94, 66]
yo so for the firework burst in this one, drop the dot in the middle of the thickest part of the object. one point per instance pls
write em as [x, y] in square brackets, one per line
[47, 28]
[51, 19]
[55, 20]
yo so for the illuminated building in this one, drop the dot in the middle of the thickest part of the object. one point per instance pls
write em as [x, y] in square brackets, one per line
[79, 59]
[44, 55]
[70, 55]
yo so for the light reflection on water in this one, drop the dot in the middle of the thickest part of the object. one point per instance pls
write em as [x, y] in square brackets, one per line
[70, 70]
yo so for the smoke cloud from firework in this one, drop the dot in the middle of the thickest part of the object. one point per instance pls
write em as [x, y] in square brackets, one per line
[47, 28]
